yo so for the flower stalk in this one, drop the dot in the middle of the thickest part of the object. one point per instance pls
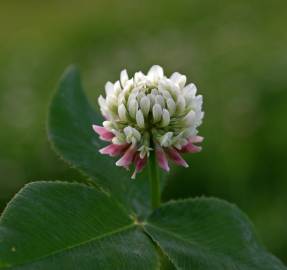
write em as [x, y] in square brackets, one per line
[154, 179]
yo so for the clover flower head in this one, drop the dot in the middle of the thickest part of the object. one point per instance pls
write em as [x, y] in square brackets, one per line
[150, 113]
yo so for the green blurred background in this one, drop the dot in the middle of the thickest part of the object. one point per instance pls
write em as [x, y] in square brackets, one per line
[235, 51]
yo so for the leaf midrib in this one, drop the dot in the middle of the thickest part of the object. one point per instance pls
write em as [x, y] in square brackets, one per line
[56, 252]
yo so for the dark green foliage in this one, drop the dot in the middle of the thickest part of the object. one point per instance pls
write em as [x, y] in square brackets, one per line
[208, 234]
[57, 225]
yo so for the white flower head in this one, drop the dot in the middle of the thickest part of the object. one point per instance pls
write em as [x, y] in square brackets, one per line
[150, 112]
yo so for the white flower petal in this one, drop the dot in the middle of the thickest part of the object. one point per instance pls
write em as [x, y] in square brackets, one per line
[171, 106]
[108, 125]
[165, 140]
[189, 119]
[155, 73]
[156, 112]
[133, 108]
[139, 77]
[109, 87]
[190, 88]
[151, 99]
[178, 79]
[117, 88]
[122, 111]
[136, 134]
[145, 105]
[154, 92]
[140, 119]
[102, 101]
[160, 100]
[128, 131]
[180, 104]
[165, 118]
[124, 77]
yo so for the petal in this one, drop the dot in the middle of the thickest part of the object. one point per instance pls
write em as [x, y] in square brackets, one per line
[190, 89]
[156, 113]
[155, 73]
[102, 102]
[133, 107]
[124, 77]
[139, 163]
[190, 148]
[165, 140]
[127, 158]
[180, 104]
[179, 79]
[109, 87]
[122, 112]
[176, 157]
[161, 158]
[196, 139]
[165, 118]
[145, 105]
[171, 106]
[140, 119]
[188, 120]
[105, 135]
[114, 149]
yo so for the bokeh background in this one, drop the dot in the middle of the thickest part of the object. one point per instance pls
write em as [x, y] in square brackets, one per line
[235, 51]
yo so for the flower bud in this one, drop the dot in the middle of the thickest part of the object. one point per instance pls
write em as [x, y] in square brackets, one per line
[189, 118]
[165, 140]
[171, 106]
[155, 73]
[122, 111]
[109, 87]
[156, 113]
[140, 119]
[133, 108]
[145, 105]
[179, 79]
[124, 77]
[180, 104]
[165, 118]
[160, 100]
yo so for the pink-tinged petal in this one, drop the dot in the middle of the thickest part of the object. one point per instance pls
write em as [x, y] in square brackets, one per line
[114, 149]
[127, 158]
[161, 158]
[190, 148]
[105, 135]
[174, 155]
[139, 163]
[196, 139]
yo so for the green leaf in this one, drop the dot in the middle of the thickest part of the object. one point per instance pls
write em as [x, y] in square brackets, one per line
[208, 234]
[70, 131]
[165, 262]
[57, 225]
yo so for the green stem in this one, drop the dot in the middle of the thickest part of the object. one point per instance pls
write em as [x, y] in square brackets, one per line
[154, 181]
